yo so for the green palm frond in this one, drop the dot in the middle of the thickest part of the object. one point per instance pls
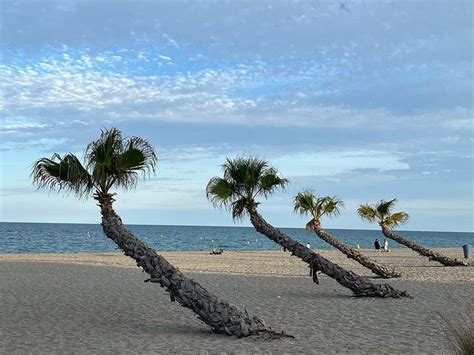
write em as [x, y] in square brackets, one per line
[384, 208]
[382, 212]
[396, 219]
[245, 171]
[110, 161]
[367, 212]
[332, 206]
[304, 202]
[102, 157]
[138, 156]
[219, 192]
[270, 181]
[113, 160]
[244, 178]
[238, 209]
[62, 174]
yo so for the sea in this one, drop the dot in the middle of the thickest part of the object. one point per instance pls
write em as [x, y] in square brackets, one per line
[72, 238]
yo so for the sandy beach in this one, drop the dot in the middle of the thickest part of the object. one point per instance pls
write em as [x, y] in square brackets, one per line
[97, 302]
[271, 263]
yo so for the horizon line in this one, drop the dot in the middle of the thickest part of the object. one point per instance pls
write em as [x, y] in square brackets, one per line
[235, 226]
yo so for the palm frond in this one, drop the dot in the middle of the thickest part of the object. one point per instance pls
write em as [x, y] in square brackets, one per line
[367, 212]
[114, 160]
[102, 156]
[238, 209]
[396, 219]
[332, 206]
[243, 178]
[219, 192]
[244, 170]
[270, 181]
[62, 174]
[304, 202]
[384, 208]
[138, 156]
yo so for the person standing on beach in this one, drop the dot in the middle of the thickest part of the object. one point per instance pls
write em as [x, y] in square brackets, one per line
[385, 246]
[377, 245]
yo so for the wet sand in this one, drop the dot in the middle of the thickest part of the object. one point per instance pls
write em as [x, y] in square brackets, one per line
[76, 305]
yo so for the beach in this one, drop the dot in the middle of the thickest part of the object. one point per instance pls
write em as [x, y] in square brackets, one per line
[98, 302]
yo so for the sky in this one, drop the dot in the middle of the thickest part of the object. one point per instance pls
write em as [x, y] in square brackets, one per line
[364, 100]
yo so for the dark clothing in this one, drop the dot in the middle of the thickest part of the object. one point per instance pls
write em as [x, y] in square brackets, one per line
[376, 244]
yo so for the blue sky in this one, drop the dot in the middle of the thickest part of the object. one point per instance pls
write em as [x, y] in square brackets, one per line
[360, 99]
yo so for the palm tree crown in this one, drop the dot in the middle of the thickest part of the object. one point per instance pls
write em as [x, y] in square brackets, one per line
[110, 161]
[244, 178]
[307, 203]
[382, 213]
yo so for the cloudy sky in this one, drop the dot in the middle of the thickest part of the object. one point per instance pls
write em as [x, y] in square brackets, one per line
[360, 99]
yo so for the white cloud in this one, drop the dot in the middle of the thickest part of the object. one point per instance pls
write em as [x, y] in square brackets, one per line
[164, 57]
[81, 87]
[333, 163]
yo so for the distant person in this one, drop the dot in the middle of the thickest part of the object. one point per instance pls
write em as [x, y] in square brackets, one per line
[377, 245]
[385, 246]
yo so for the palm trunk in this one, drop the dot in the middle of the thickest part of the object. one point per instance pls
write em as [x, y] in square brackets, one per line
[446, 261]
[381, 270]
[360, 286]
[219, 315]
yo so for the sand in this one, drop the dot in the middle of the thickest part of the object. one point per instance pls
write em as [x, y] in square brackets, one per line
[273, 263]
[83, 303]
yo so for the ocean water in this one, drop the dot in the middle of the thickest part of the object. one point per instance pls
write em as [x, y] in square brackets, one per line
[57, 238]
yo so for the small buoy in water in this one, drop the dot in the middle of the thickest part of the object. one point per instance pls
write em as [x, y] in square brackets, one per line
[248, 241]
[200, 238]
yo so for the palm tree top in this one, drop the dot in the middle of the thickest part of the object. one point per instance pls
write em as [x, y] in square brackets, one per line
[110, 161]
[244, 179]
[382, 213]
[307, 203]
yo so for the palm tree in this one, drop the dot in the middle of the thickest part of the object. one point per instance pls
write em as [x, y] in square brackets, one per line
[382, 213]
[114, 161]
[246, 178]
[306, 203]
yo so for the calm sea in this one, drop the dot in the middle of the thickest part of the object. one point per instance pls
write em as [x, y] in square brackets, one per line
[56, 238]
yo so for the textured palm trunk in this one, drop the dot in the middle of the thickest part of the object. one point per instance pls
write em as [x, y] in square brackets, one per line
[360, 286]
[219, 315]
[381, 270]
[446, 261]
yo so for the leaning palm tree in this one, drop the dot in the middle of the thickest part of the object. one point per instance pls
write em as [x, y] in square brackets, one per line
[306, 203]
[382, 213]
[113, 161]
[246, 178]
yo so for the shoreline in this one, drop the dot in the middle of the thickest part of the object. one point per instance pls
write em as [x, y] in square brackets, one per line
[269, 263]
